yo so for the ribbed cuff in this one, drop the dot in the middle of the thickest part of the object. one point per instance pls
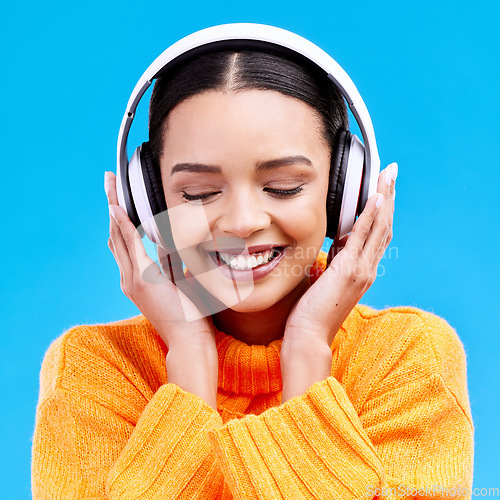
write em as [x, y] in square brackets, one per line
[167, 449]
[312, 446]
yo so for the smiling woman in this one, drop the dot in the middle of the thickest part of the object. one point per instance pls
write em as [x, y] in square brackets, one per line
[255, 373]
[264, 189]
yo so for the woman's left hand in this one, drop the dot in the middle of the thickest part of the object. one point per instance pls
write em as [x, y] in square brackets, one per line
[320, 312]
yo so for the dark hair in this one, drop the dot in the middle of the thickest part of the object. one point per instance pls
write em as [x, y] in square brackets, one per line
[240, 70]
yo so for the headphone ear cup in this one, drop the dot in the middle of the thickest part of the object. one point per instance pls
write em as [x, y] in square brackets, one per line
[352, 189]
[152, 180]
[156, 197]
[338, 169]
[124, 191]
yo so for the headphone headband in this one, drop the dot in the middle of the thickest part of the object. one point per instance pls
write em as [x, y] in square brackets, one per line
[237, 35]
[240, 36]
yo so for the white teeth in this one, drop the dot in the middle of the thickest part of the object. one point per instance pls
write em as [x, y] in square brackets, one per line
[242, 263]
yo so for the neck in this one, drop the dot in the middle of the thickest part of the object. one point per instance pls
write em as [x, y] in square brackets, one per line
[260, 327]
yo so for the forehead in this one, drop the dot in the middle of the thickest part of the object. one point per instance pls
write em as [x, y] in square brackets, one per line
[243, 122]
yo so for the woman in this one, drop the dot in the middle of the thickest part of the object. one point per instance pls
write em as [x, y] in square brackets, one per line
[293, 390]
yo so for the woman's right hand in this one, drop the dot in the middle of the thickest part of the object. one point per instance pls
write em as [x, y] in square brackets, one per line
[156, 296]
[192, 360]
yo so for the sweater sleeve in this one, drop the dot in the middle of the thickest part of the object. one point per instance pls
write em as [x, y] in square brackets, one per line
[83, 449]
[413, 440]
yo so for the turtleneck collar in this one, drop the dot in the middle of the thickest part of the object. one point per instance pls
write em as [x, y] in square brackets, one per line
[248, 369]
[254, 369]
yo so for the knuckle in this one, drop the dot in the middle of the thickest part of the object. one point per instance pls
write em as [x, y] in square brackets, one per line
[366, 279]
[128, 239]
[370, 280]
[363, 232]
[125, 289]
[356, 274]
[387, 234]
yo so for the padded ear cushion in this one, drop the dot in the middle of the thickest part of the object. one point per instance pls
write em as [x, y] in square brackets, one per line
[338, 169]
[152, 180]
[156, 196]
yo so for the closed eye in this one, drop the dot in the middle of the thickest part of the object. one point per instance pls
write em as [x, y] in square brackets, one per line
[280, 193]
[283, 193]
[199, 197]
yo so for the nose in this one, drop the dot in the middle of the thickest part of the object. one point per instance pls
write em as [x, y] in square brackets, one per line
[244, 214]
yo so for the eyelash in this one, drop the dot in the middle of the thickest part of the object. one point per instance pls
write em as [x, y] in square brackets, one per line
[281, 193]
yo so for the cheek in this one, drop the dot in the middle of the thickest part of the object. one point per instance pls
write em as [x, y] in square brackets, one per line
[306, 223]
[188, 221]
[306, 226]
[189, 226]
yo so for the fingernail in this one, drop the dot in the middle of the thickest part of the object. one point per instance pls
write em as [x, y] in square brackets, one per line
[388, 175]
[106, 182]
[394, 171]
[379, 200]
[112, 211]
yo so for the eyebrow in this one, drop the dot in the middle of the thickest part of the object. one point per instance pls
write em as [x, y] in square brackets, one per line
[261, 166]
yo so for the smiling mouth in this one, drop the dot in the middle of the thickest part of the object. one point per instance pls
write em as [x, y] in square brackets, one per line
[246, 263]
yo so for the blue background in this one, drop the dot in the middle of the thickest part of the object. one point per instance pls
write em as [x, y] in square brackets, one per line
[428, 72]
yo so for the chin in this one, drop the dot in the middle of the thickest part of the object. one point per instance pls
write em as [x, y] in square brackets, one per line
[254, 303]
[248, 299]
[265, 297]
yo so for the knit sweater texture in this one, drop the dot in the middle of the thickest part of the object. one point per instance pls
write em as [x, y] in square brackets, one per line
[392, 421]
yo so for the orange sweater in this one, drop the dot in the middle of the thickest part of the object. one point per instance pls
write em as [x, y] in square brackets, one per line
[392, 421]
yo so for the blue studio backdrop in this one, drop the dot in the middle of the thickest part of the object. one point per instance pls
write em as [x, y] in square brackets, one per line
[428, 72]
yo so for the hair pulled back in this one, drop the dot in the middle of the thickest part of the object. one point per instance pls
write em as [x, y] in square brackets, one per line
[245, 70]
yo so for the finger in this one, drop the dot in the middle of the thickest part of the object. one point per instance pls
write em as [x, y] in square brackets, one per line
[140, 260]
[381, 233]
[387, 179]
[387, 183]
[119, 249]
[111, 246]
[363, 225]
[110, 188]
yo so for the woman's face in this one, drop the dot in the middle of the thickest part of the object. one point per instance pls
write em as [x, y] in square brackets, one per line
[245, 176]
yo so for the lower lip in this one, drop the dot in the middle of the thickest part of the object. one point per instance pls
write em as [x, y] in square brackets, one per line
[251, 274]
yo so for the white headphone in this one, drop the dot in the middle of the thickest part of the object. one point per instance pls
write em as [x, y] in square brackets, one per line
[354, 169]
